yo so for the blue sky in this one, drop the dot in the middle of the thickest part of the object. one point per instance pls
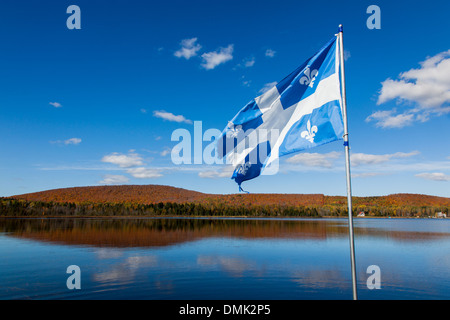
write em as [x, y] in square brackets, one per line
[98, 105]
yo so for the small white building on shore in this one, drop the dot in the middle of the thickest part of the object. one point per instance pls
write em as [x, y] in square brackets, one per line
[440, 215]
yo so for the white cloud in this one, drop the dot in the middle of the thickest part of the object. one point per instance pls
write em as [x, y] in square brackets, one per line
[74, 141]
[189, 49]
[144, 173]
[367, 174]
[384, 164]
[428, 86]
[224, 172]
[250, 62]
[425, 90]
[215, 58]
[315, 159]
[435, 176]
[415, 166]
[246, 63]
[143, 110]
[56, 104]
[170, 116]
[123, 160]
[357, 159]
[270, 53]
[389, 119]
[114, 179]
[246, 83]
[267, 87]
[347, 55]
[165, 152]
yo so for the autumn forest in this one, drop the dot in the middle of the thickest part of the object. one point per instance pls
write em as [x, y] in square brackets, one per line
[154, 200]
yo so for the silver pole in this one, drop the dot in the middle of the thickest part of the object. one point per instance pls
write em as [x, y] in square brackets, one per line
[347, 162]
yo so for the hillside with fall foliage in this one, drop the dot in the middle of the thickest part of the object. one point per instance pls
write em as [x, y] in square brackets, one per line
[148, 194]
[144, 194]
[165, 200]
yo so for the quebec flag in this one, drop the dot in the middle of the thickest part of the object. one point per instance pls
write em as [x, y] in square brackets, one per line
[302, 111]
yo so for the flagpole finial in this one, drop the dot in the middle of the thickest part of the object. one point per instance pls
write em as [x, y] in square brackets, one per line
[341, 28]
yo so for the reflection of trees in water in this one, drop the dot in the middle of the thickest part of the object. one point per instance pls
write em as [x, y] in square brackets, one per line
[128, 232]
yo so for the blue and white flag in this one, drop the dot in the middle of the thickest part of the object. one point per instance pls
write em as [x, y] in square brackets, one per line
[302, 111]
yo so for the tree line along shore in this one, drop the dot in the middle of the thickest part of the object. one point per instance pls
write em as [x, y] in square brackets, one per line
[333, 207]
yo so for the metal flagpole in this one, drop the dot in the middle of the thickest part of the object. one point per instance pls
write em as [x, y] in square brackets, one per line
[347, 162]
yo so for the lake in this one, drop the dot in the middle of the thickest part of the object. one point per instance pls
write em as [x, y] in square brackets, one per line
[221, 258]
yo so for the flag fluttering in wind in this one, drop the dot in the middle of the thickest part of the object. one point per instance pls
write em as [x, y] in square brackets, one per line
[302, 111]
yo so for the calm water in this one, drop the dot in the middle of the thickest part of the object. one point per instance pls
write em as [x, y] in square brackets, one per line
[222, 258]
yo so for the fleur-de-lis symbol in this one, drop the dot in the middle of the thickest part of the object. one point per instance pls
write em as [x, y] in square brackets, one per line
[310, 133]
[233, 130]
[244, 168]
[309, 77]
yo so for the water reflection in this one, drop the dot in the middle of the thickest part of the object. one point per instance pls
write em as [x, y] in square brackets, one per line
[127, 270]
[222, 258]
[165, 232]
[234, 266]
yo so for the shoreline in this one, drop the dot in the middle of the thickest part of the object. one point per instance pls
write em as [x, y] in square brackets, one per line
[211, 217]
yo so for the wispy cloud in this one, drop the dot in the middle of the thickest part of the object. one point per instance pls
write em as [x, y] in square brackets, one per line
[144, 173]
[165, 152]
[249, 62]
[170, 116]
[246, 63]
[435, 176]
[267, 87]
[391, 119]
[347, 55]
[123, 160]
[73, 141]
[160, 169]
[189, 49]
[114, 179]
[323, 160]
[56, 104]
[270, 53]
[424, 91]
[367, 174]
[358, 159]
[223, 172]
[245, 82]
[363, 165]
[214, 58]
[133, 164]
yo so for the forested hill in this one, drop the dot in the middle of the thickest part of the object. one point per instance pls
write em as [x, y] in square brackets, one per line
[151, 194]
[115, 194]
[148, 194]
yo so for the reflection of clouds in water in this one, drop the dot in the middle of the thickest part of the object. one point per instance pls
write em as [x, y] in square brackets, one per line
[127, 270]
[320, 279]
[235, 266]
[106, 253]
